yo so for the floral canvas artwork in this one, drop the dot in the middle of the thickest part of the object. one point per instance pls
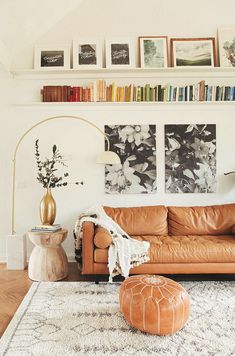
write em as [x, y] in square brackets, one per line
[190, 158]
[136, 147]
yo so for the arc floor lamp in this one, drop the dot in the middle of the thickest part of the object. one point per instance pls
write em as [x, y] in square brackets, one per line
[106, 157]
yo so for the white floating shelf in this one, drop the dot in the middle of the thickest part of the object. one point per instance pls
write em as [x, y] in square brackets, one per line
[127, 104]
[105, 73]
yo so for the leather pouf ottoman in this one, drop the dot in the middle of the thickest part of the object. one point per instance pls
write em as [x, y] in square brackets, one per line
[154, 304]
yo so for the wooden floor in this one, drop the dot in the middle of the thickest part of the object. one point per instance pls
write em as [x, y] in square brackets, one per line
[15, 284]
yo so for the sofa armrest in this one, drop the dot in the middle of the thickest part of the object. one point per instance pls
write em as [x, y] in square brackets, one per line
[233, 229]
[88, 247]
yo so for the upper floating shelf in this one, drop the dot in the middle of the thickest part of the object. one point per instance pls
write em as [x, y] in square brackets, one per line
[105, 73]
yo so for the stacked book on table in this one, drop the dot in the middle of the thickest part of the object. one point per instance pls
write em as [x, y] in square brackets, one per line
[46, 228]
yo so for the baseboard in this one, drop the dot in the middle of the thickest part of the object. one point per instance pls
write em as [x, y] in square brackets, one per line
[3, 259]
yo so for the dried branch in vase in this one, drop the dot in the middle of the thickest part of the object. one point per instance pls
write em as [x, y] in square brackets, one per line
[48, 174]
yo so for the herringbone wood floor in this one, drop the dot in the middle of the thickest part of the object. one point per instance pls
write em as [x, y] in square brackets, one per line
[15, 284]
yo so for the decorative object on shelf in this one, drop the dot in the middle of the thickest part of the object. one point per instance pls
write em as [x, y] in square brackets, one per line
[107, 157]
[119, 54]
[48, 57]
[87, 54]
[153, 51]
[47, 177]
[193, 52]
[136, 147]
[190, 158]
[226, 37]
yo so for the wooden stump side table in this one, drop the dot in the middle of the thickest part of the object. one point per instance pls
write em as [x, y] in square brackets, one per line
[48, 260]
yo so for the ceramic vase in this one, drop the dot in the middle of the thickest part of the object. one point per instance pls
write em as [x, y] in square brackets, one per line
[47, 208]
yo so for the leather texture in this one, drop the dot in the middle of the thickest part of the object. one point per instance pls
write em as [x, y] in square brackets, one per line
[173, 268]
[146, 220]
[201, 220]
[184, 249]
[233, 230]
[102, 238]
[154, 304]
[169, 254]
[88, 247]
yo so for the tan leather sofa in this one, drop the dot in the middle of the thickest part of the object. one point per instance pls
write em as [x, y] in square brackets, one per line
[183, 240]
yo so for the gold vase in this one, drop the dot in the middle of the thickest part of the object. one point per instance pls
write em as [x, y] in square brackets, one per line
[47, 208]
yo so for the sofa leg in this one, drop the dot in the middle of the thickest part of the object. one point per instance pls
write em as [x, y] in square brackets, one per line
[97, 280]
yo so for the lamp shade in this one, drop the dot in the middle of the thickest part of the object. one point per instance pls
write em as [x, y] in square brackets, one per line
[108, 157]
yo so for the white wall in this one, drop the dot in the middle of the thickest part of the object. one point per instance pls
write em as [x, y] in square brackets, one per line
[80, 143]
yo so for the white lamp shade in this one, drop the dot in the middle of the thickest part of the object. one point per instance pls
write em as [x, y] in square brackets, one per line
[108, 157]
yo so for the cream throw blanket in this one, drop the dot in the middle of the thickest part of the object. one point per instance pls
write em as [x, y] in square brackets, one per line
[124, 252]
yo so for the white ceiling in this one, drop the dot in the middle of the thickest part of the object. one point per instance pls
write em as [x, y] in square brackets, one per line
[22, 22]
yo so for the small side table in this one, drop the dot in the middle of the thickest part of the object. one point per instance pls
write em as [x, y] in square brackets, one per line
[48, 260]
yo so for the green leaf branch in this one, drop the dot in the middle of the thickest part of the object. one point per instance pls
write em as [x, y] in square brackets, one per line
[48, 174]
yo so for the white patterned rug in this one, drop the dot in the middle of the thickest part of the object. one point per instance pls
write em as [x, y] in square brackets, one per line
[81, 318]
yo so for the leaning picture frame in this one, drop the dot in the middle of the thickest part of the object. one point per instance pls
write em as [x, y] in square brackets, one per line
[87, 54]
[153, 51]
[119, 53]
[52, 57]
[226, 41]
[193, 52]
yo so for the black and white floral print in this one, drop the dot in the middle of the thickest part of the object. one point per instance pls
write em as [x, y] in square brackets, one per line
[136, 147]
[190, 158]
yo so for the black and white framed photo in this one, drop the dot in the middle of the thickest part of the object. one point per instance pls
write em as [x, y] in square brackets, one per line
[119, 54]
[52, 57]
[153, 51]
[87, 54]
[136, 147]
[227, 46]
[190, 158]
[193, 52]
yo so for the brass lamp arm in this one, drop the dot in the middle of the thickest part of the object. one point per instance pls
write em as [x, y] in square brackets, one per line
[21, 139]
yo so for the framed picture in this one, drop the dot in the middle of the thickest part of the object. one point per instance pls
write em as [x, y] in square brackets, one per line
[227, 46]
[87, 54]
[193, 52]
[119, 54]
[153, 51]
[136, 147]
[52, 57]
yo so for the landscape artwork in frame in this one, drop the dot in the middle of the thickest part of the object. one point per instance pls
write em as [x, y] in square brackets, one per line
[190, 158]
[87, 54]
[153, 51]
[136, 147]
[227, 46]
[193, 52]
[52, 57]
[119, 54]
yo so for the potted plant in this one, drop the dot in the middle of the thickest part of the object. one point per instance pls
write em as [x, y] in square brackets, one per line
[49, 177]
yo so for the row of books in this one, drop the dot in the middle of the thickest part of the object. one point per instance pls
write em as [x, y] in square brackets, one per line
[46, 228]
[99, 91]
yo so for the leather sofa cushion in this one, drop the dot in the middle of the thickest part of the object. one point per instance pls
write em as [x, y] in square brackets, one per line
[201, 220]
[102, 238]
[184, 249]
[147, 220]
[233, 229]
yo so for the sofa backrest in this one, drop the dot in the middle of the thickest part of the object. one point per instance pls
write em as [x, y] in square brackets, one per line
[146, 220]
[201, 220]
